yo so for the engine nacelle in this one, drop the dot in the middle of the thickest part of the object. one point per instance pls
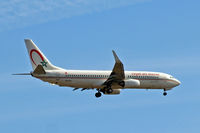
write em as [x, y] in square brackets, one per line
[115, 92]
[131, 83]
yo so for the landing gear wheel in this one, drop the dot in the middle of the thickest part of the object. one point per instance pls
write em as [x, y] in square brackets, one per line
[164, 93]
[109, 91]
[98, 94]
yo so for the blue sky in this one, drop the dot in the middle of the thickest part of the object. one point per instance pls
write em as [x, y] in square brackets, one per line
[150, 35]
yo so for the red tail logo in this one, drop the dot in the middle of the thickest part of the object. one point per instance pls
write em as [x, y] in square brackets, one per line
[44, 63]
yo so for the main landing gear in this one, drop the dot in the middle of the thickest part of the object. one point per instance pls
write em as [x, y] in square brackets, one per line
[98, 94]
[104, 91]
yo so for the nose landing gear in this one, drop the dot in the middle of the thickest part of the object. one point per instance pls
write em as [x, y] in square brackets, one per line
[164, 93]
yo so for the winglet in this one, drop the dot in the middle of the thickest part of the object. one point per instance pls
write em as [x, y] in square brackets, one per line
[116, 57]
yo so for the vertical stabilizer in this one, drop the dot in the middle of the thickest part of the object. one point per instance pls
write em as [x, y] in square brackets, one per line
[37, 57]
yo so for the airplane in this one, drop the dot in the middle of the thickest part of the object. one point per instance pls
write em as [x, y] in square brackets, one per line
[104, 82]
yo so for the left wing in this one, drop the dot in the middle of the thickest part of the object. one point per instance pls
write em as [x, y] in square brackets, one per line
[117, 75]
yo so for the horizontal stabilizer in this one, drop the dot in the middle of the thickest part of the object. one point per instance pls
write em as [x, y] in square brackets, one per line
[22, 74]
[39, 70]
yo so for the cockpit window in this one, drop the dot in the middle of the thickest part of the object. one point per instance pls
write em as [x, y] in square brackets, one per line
[171, 77]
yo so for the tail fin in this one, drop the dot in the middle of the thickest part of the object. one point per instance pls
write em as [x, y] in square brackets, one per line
[37, 57]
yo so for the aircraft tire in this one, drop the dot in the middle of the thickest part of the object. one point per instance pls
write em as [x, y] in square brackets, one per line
[98, 94]
[164, 93]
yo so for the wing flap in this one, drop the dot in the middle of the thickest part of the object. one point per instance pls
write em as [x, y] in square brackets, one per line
[22, 74]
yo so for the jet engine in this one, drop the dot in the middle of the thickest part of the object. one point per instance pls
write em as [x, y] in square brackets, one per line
[131, 83]
[114, 92]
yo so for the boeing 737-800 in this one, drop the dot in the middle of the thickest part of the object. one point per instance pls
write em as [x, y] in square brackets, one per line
[106, 82]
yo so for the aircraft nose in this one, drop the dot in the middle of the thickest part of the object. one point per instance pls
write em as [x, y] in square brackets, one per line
[177, 82]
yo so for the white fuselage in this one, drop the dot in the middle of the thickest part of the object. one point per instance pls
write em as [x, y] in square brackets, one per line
[95, 79]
